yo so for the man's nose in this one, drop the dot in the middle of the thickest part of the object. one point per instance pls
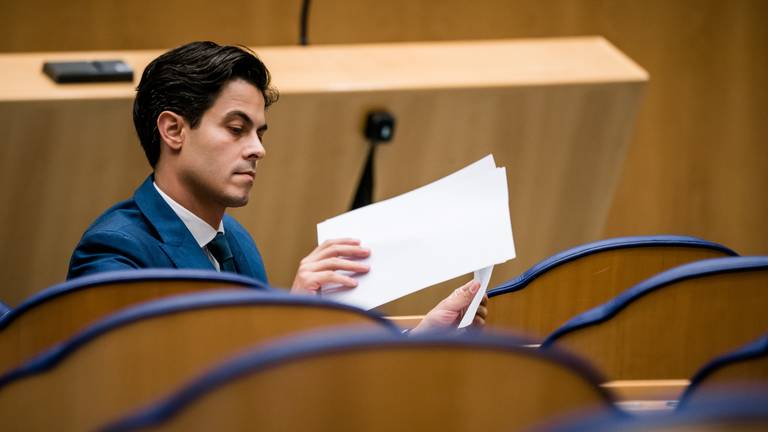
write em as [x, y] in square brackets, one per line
[255, 149]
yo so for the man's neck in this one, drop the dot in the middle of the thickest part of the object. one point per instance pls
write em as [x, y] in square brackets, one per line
[171, 186]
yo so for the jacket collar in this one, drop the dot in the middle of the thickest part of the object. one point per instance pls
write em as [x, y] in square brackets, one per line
[178, 242]
[241, 261]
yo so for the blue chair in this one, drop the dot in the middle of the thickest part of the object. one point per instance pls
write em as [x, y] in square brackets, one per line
[550, 293]
[4, 309]
[139, 354]
[669, 325]
[361, 381]
[57, 313]
[720, 412]
[739, 370]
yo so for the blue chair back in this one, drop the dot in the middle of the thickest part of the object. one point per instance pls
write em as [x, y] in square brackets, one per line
[379, 382]
[741, 369]
[141, 353]
[722, 412]
[57, 313]
[578, 279]
[669, 325]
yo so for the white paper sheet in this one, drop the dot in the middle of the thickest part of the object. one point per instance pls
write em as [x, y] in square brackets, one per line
[484, 277]
[443, 230]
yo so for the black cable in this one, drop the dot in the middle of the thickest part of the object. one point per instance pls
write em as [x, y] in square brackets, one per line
[379, 128]
[303, 38]
[364, 193]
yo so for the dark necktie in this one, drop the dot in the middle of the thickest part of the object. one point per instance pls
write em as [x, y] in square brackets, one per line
[219, 248]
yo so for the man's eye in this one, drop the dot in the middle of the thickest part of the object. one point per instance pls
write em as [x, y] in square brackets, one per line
[236, 130]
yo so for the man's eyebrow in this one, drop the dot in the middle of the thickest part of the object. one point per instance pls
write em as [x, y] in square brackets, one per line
[238, 113]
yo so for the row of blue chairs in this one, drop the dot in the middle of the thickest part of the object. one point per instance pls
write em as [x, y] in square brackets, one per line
[507, 400]
[211, 326]
[103, 376]
[661, 325]
[556, 289]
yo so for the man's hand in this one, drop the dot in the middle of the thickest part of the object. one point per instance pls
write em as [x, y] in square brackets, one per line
[448, 313]
[320, 267]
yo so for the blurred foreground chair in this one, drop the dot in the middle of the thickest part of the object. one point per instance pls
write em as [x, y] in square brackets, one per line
[57, 313]
[139, 354]
[578, 279]
[4, 309]
[721, 412]
[671, 324]
[739, 370]
[359, 381]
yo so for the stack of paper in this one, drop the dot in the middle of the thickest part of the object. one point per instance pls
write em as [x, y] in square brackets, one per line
[451, 227]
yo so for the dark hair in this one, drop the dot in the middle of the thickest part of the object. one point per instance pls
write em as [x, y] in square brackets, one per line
[187, 80]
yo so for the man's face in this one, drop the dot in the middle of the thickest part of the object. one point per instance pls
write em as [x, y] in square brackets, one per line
[218, 158]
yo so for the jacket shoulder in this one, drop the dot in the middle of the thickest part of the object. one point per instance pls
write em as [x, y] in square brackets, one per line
[121, 238]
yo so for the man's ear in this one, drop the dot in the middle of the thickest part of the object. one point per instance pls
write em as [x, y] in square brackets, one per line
[171, 127]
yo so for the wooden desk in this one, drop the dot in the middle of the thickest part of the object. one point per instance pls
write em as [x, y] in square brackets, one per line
[647, 396]
[628, 390]
[557, 113]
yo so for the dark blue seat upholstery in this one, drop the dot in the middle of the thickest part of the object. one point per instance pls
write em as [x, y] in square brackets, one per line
[140, 353]
[126, 277]
[587, 249]
[719, 412]
[744, 367]
[4, 309]
[362, 381]
[672, 323]
[56, 313]
[563, 285]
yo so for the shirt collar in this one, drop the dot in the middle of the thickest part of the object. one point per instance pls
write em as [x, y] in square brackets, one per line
[201, 231]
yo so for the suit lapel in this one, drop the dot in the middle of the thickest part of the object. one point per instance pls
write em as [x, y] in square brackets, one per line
[176, 240]
[189, 256]
[241, 261]
[248, 263]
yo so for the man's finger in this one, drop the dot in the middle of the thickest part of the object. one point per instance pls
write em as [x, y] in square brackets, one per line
[340, 250]
[334, 264]
[347, 241]
[330, 277]
[329, 243]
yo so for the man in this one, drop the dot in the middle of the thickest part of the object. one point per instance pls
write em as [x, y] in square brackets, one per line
[199, 113]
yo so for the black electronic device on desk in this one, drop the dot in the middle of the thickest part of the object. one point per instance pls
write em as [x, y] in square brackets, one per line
[88, 71]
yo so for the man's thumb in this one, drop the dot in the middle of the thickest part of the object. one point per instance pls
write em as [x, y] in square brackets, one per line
[462, 296]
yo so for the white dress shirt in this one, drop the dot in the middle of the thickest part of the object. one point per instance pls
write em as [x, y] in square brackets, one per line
[201, 231]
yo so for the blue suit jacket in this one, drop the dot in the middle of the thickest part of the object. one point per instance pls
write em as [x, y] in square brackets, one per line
[143, 232]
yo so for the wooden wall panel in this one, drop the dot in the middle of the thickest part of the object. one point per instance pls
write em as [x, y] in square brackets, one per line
[78, 25]
[562, 147]
[61, 164]
[698, 163]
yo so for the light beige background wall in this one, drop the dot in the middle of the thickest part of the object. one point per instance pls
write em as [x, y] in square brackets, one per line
[698, 163]
[699, 160]
[77, 25]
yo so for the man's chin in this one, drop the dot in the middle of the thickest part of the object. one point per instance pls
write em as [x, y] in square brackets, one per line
[237, 202]
[238, 199]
